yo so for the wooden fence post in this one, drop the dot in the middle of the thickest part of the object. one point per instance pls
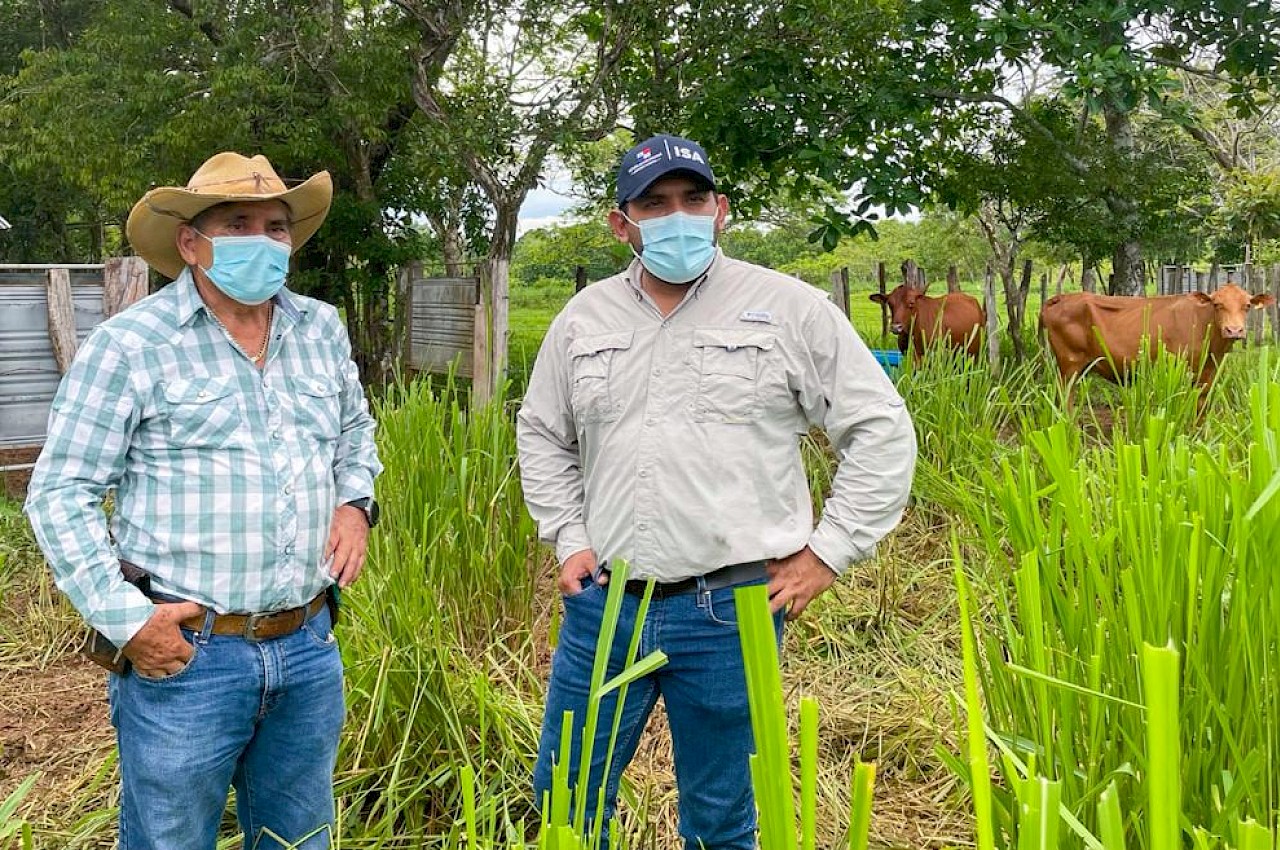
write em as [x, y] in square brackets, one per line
[404, 312]
[481, 371]
[953, 279]
[840, 289]
[579, 279]
[1062, 276]
[884, 308]
[1274, 309]
[1255, 320]
[124, 282]
[1044, 288]
[62, 318]
[993, 318]
[912, 274]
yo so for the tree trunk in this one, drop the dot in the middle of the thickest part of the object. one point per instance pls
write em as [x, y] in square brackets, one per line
[451, 248]
[1126, 259]
[1015, 300]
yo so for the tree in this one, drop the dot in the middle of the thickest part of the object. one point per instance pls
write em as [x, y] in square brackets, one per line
[507, 85]
[141, 92]
[874, 98]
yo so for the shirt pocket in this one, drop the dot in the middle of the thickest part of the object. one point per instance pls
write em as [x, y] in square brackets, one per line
[317, 408]
[596, 393]
[728, 374]
[202, 413]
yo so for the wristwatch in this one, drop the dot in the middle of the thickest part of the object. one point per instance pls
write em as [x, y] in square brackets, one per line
[370, 508]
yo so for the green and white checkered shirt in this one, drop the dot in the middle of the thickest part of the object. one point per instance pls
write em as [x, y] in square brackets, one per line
[226, 477]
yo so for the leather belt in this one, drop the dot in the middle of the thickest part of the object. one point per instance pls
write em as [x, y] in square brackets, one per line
[714, 580]
[259, 627]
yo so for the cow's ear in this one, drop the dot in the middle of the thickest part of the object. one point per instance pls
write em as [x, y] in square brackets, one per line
[1264, 300]
[877, 297]
[1201, 297]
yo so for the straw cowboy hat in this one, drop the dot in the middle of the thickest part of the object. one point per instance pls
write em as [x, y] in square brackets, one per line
[224, 177]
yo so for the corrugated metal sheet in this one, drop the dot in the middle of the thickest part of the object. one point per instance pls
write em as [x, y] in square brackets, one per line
[442, 324]
[28, 374]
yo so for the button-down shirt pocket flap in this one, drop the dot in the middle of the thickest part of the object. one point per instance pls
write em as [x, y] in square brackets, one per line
[731, 351]
[590, 354]
[316, 387]
[198, 390]
[202, 412]
[317, 409]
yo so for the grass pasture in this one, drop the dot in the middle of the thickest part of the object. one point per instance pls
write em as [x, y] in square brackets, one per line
[1092, 536]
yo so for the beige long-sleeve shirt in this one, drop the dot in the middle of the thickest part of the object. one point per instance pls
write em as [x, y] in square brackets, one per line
[674, 442]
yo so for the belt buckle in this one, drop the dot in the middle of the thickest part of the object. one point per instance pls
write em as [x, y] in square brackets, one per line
[251, 626]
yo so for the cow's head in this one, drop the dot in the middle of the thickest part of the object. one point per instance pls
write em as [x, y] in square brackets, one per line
[903, 303]
[1231, 306]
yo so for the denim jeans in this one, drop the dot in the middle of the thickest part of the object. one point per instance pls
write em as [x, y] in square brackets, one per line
[264, 717]
[703, 686]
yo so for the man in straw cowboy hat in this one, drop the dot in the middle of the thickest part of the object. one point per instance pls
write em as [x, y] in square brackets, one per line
[227, 416]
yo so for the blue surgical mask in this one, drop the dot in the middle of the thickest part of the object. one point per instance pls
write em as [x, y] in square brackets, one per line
[248, 269]
[677, 248]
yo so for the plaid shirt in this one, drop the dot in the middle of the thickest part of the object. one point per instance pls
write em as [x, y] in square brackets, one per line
[226, 477]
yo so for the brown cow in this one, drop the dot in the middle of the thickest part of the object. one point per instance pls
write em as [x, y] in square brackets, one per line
[956, 318]
[1103, 333]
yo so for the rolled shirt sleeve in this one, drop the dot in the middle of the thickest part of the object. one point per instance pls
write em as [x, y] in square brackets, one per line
[550, 463]
[355, 462]
[94, 414]
[847, 394]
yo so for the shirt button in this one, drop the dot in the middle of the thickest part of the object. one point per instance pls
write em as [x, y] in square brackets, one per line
[644, 473]
[642, 526]
[288, 488]
[275, 435]
[657, 372]
[202, 394]
[651, 422]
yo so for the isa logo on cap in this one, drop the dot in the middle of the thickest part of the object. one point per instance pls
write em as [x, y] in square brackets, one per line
[656, 157]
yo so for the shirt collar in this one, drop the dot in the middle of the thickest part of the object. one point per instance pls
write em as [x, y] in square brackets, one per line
[634, 271]
[190, 303]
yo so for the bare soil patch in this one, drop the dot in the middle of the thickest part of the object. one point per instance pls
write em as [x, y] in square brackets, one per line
[53, 721]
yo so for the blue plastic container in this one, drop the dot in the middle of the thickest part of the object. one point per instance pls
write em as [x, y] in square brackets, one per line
[891, 360]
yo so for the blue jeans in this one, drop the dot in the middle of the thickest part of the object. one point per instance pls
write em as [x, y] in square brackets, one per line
[264, 717]
[703, 685]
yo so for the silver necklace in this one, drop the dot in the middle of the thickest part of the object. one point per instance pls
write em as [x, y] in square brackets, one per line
[266, 337]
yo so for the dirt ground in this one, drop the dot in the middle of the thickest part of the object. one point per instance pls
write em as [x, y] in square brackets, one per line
[878, 678]
[53, 721]
[13, 483]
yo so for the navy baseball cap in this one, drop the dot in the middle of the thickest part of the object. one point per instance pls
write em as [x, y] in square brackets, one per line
[654, 159]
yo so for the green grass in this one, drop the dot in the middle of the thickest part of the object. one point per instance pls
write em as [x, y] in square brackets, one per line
[1086, 532]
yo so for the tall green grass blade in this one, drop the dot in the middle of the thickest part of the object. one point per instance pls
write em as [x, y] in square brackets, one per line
[808, 773]
[979, 766]
[864, 780]
[1110, 820]
[1164, 777]
[771, 768]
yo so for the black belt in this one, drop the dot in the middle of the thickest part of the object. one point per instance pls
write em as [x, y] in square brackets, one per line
[714, 580]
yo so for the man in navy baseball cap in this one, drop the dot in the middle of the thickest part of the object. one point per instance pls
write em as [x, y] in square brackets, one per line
[659, 428]
[657, 157]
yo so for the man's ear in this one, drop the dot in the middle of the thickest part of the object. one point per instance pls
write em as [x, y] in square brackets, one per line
[618, 224]
[186, 241]
[722, 212]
